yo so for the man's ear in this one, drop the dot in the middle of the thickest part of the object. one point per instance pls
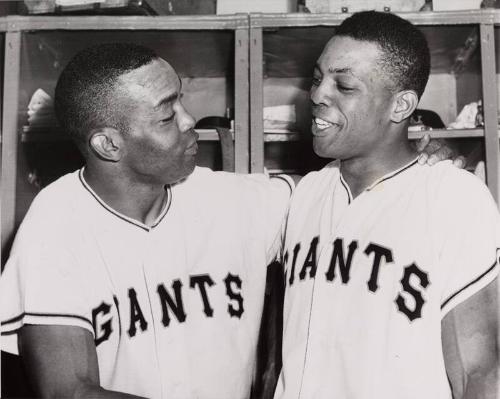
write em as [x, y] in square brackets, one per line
[405, 102]
[106, 143]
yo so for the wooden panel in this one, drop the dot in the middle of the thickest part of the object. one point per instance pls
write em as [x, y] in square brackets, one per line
[490, 110]
[241, 70]
[420, 18]
[19, 23]
[256, 102]
[182, 7]
[9, 136]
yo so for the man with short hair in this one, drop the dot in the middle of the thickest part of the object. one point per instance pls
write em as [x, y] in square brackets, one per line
[390, 266]
[139, 274]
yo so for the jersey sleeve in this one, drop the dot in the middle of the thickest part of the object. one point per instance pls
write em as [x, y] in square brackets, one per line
[273, 195]
[41, 285]
[279, 206]
[471, 241]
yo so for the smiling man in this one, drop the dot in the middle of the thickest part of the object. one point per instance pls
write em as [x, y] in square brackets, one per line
[139, 274]
[390, 266]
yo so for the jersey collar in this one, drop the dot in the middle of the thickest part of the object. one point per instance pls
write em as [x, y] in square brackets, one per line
[392, 174]
[166, 205]
[386, 177]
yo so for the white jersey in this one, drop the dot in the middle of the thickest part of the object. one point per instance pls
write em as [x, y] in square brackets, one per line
[174, 308]
[368, 280]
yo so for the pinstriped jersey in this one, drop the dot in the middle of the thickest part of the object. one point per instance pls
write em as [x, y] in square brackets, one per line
[175, 307]
[369, 279]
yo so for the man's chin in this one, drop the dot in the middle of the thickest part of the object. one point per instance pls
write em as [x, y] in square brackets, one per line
[323, 152]
[186, 173]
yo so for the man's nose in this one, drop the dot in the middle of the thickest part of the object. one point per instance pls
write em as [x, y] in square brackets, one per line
[185, 120]
[320, 95]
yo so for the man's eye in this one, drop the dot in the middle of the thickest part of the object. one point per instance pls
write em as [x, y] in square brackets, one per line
[168, 119]
[316, 81]
[345, 89]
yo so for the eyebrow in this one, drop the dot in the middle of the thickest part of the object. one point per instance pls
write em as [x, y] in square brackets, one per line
[336, 70]
[167, 99]
[341, 70]
[170, 97]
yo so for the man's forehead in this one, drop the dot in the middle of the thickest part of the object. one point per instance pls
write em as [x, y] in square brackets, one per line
[345, 55]
[169, 70]
[156, 80]
[347, 48]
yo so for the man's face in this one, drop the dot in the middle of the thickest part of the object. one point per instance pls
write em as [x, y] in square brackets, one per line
[350, 100]
[160, 145]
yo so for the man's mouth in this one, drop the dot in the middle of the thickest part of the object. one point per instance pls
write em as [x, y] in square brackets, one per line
[322, 124]
[192, 149]
[321, 127]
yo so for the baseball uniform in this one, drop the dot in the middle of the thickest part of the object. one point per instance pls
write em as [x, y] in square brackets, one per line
[175, 307]
[369, 279]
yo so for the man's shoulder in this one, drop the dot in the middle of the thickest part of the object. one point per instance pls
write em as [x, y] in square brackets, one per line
[54, 199]
[59, 191]
[457, 192]
[320, 177]
[51, 214]
[453, 180]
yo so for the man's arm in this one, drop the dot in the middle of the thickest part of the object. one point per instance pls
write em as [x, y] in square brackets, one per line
[61, 361]
[470, 345]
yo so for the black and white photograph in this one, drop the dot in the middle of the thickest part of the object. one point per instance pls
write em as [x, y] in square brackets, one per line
[250, 199]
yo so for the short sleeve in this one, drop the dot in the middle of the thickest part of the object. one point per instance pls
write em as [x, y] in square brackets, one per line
[42, 285]
[278, 205]
[274, 196]
[471, 241]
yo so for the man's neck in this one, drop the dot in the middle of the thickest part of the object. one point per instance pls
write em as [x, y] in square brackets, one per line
[360, 173]
[139, 201]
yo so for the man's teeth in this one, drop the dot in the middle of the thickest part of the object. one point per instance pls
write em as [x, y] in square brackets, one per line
[322, 124]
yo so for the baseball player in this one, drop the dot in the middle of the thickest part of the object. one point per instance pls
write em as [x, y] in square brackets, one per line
[139, 273]
[390, 266]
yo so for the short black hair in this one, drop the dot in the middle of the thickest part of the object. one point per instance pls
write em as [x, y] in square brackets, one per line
[406, 57]
[84, 94]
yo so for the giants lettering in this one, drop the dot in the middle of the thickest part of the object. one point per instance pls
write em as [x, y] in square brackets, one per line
[167, 302]
[102, 328]
[200, 281]
[380, 252]
[172, 305]
[338, 257]
[415, 313]
[342, 260]
[285, 261]
[231, 280]
[136, 314]
[310, 260]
